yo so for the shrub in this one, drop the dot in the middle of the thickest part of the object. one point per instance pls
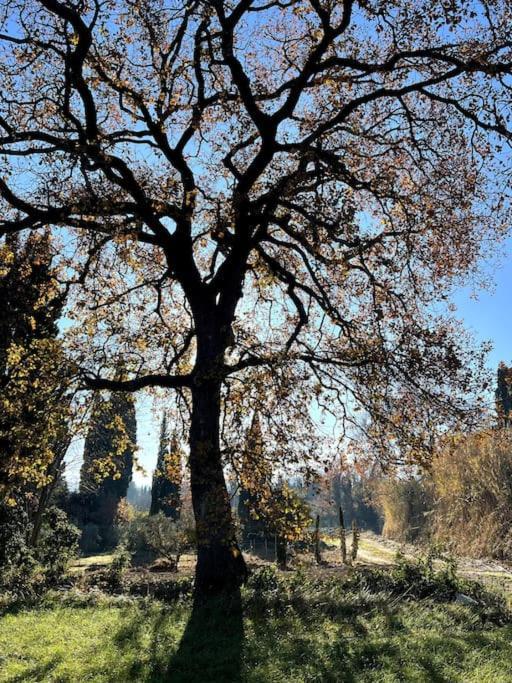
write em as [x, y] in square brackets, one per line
[26, 572]
[114, 576]
[404, 504]
[14, 529]
[58, 543]
[150, 537]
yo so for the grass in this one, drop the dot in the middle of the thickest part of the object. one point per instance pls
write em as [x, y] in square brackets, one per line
[308, 633]
[370, 550]
[83, 563]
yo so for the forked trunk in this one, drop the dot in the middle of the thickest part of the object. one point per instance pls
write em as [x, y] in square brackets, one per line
[220, 564]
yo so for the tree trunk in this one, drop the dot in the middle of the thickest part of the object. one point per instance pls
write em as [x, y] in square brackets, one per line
[37, 519]
[280, 545]
[220, 564]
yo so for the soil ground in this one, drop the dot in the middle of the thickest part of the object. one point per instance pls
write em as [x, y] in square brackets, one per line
[374, 550]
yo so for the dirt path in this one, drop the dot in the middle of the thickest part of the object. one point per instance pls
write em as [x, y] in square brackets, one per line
[376, 550]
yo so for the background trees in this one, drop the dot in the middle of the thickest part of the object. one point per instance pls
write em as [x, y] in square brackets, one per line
[504, 395]
[166, 487]
[266, 190]
[107, 468]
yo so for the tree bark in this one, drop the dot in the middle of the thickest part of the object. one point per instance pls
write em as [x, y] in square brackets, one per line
[37, 519]
[220, 564]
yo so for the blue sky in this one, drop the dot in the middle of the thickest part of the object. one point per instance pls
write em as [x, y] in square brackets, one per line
[487, 312]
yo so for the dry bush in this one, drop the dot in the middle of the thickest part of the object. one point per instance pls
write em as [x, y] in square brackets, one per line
[463, 503]
[472, 479]
[403, 504]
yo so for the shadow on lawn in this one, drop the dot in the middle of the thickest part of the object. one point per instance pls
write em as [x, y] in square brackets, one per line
[211, 646]
[36, 673]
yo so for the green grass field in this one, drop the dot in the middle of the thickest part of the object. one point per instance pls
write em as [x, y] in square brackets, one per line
[355, 640]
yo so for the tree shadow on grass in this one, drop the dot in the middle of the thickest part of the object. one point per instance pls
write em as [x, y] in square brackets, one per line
[210, 650]
[39, 672]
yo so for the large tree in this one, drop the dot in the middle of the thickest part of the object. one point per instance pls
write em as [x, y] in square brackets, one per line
[263, 188]
[34, 377]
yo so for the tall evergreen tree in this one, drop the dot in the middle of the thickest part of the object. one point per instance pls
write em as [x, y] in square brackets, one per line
[255, 484]
[31, 299]
[166, 488]
[504, 395]
[108, 462]
[33, 370]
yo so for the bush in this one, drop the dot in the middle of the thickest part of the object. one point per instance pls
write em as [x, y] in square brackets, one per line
[26, 571]
[14, 529]
[114, 577]
[421, 579]
[58, 543]
[151, 537]
[404, 504]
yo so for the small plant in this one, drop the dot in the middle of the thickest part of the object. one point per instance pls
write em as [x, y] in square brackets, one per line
[264, 579]
[117, 570]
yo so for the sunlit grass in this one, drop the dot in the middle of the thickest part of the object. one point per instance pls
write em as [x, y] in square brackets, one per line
[102, 560]
[123, 640]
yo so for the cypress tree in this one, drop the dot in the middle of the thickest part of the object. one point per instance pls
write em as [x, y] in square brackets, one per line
[166, 488]
[108, 463]
[33, 370]
[504, 395]
[254, 485]
[31, 299]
